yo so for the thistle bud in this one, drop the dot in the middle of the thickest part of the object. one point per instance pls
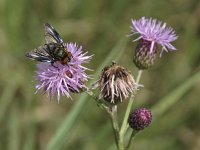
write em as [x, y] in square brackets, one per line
[116, 83]
[140, 119]
[145, 56]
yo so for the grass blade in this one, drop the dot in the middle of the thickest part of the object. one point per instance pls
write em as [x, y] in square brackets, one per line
[169, 100]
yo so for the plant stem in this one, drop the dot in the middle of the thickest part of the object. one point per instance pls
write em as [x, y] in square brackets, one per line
[139, 76]
[124, 126]
[134, 132]
[121, 143]
[128, 109]
[113, 116]
[98, 101]
[112, 111]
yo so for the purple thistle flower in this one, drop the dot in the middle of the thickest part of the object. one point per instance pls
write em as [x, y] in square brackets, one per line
[63, 79]
[154, 31]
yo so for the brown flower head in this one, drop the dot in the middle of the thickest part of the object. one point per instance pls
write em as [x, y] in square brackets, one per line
[116, 83]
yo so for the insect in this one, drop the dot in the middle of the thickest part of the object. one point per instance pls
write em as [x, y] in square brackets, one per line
[54, 49]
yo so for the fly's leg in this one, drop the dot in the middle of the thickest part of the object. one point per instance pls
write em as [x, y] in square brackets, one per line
[52, 63]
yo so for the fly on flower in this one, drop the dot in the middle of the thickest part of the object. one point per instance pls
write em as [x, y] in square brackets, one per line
[54, 49]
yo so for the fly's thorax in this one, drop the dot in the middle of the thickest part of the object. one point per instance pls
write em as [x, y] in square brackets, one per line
[59, 53]
[55, 50]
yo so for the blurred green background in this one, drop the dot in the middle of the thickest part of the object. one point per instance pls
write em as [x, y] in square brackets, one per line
[29, 121]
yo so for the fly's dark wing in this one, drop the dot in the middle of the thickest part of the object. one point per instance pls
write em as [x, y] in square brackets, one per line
[39, 54]
[51, 35]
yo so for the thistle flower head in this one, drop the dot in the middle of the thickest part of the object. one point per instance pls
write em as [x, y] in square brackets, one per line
[140, 119]
[154, 31]
[61, 79]
[151, 34]
[116, 83]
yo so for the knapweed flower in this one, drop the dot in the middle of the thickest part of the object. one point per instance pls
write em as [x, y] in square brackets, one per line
[151, 34]
[116, 83]
[58, 79]
[140, 119]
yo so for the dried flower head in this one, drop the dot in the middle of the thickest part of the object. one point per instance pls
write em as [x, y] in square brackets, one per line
[140, 119]
[151, 34]
[116, 83]
[61, 79]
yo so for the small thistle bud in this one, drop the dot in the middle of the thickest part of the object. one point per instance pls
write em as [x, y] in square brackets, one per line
[140, 119]
[116, 83]
[143, 57]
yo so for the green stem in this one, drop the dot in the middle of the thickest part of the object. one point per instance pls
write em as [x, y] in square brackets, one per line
[133, 134]
[121, 143]
[112, 111]
[128, 109]
[98, 101]
[113, 116]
